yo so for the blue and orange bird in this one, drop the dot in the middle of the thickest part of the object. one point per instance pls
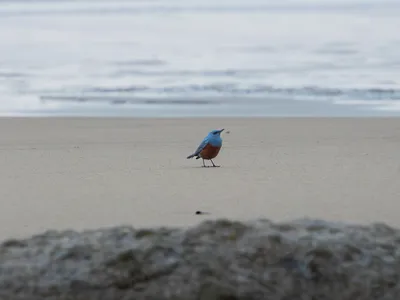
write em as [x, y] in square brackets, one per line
[209, 147]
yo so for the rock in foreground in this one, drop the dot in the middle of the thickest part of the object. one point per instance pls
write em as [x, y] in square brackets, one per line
[215, 260]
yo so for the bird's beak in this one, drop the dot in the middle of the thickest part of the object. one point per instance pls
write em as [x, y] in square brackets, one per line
[221, 130]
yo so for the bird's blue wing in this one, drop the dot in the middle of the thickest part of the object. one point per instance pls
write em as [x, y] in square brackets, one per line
[201, 147]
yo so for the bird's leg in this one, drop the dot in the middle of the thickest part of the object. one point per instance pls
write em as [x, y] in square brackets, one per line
[213, 164]
[204, 164]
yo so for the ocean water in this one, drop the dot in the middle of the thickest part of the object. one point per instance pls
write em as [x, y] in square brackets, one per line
[200, 57]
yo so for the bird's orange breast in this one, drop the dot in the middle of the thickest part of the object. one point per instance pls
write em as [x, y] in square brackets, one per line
[209, 152]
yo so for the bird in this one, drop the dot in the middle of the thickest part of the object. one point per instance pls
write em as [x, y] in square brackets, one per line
[209, 147]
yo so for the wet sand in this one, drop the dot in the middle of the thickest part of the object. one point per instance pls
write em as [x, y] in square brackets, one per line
[77, 173]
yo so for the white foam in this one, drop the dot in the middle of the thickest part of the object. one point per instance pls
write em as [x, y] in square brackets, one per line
[365, 102]
[393, 107]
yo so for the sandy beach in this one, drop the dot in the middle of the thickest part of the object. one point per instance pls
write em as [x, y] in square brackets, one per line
[77, 173]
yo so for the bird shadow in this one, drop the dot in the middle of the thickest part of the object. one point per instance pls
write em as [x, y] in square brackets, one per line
[206, 168]
[198, 167]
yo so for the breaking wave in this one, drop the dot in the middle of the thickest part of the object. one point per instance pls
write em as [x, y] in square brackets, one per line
[218, 93]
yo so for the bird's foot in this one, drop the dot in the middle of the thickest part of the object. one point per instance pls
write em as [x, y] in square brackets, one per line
[214, 165]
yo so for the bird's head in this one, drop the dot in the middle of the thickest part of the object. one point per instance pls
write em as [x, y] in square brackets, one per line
[216, 132]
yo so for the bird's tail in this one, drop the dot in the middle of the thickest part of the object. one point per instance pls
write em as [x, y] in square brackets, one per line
[190, 156]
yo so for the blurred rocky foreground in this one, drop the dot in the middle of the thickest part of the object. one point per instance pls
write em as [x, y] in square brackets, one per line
[225, 260]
